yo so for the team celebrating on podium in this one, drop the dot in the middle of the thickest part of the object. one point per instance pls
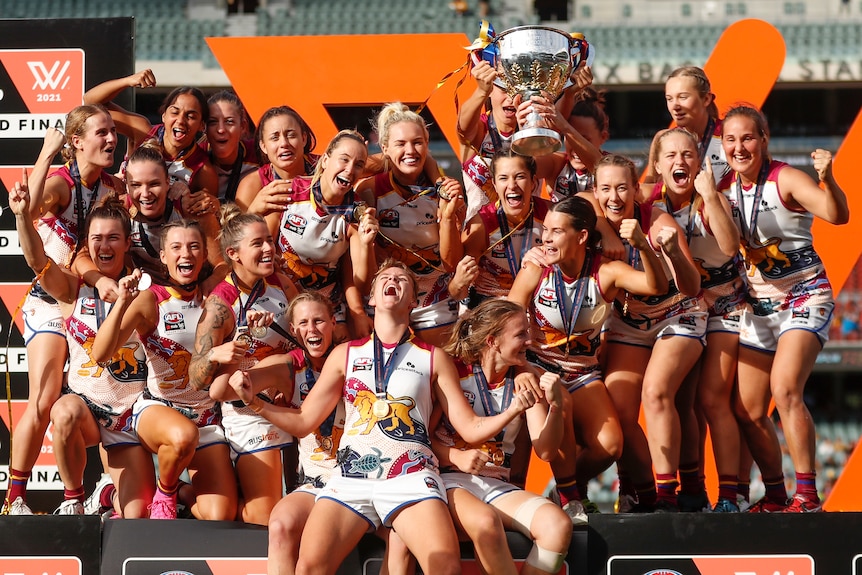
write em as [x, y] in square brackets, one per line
[350, 343]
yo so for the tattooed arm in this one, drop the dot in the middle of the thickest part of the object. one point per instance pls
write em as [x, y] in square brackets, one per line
[213, 346]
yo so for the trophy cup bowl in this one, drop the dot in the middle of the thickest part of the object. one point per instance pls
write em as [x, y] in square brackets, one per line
[532, 60]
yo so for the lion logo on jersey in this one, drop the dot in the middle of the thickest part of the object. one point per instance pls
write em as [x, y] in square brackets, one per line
[579, 343]
[123, 363]
[766, 257]
[179, 362]
[399, 413]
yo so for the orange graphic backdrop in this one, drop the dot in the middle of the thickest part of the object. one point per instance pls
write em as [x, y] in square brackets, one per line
[370, 70]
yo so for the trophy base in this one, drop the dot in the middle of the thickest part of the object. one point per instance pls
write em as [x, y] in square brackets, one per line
[536, 142]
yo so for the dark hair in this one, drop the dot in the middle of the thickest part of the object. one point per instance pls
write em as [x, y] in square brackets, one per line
[231, 98]
[529, 161]
[110, 207]
[591, 104]
[194, 92]
[701, 83]
[310, 138]
[582, 216]
[489, 318]
[751, 112]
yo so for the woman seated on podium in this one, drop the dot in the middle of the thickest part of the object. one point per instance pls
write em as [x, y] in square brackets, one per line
[489, 344]
[96, 405]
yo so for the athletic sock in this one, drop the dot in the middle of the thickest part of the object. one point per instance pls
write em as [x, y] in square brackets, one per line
[17, 484]
[727, 487]
[74, 494]
[567, 487]
[666, 485]
[806, 486]
[775, 489]
[689, 478]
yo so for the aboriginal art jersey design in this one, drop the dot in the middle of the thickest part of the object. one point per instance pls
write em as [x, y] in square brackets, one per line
[642, 312]
[412, 223]
[784, 271]
[481, 396]
[318, 449]
[147, 243]
[169, 350]
[720, 277]
[568, 350]
[108, 390]
[187, 164]
[312, 239]
[500, 263]
[383, 447]
[276, 340]
[60, 233]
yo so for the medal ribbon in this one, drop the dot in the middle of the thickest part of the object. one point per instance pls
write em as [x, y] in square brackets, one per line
[570, 317]
[146, 227]
[344, 209]
[383, 370]
[513, 258]
[82, 211]
[256, 291]
[485, 394]
[689, 226]
[707, 136]
[235, 172]
[748, 235]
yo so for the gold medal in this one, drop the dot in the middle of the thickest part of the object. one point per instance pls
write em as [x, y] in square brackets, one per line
[359, 211]
[380, 408]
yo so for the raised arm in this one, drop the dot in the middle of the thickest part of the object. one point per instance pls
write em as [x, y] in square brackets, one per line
[47, 197]
[60, 284]
[525, 284]
[131, 125]
[319, 403]
[828, 203]
[471, 427]
[216, 324]
[669, 237]
[133, 311]
[716, 212]
[470, 128]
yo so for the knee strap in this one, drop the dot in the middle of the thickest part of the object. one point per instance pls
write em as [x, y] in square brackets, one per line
[523, 516]
[544, 560]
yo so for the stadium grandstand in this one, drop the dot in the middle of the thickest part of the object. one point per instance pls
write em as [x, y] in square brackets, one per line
[637, 43]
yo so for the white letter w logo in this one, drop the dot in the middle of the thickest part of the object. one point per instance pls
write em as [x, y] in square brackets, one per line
[49, 78]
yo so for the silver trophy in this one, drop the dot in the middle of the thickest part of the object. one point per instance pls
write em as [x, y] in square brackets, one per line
[532, 60]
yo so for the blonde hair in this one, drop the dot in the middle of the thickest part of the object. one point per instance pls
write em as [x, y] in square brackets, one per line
[352, 134]
[76, 125]
[701, 83]
[394, 263]
[395, 113]
[233, 225]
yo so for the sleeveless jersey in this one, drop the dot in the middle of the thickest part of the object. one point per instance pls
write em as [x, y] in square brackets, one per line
[109, 391]
[60, 232]
[385, 447]
[146, 242]
[476, 171]
[276, 340]
[247, 163]
[715, 152]
[784, 271]
[500, 450]
[570, 181]
[267, 174]
[642, 312]
[169, 350]
[496, 271]
[413, 224]
[313, 239]
[570, 356]
[723, 286]
[318, 449]
[187, 164]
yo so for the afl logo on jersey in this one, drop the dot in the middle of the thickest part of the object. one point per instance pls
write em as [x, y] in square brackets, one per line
[88, 306]
[470, 396]
[174, 320]
[136, 238]
[296, 224]
[389, 219]
[548, 298]
[363, 364]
